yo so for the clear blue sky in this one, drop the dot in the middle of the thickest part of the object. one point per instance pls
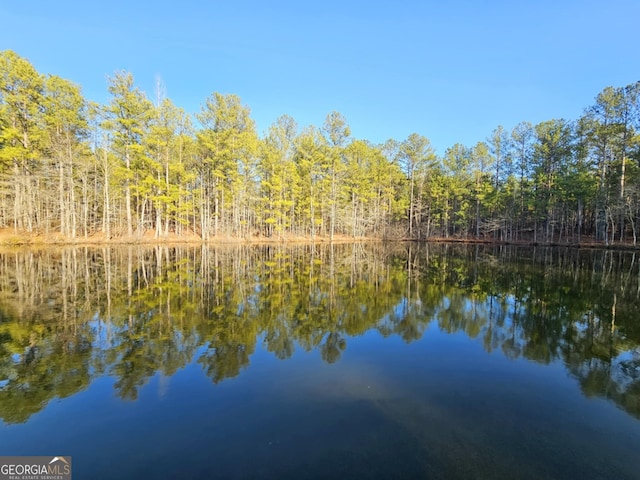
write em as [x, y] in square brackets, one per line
[449, 70]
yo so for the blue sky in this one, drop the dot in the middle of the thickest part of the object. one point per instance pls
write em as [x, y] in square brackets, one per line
[451, 71]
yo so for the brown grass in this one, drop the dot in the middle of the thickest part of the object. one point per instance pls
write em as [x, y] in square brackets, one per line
[10, 238]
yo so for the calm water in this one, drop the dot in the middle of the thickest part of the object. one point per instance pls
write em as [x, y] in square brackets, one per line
[356, 361]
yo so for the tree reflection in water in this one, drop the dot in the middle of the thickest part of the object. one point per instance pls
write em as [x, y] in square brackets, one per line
[68, 316]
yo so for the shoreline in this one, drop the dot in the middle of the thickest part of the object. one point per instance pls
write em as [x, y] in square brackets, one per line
[26, 240]
[9, 239]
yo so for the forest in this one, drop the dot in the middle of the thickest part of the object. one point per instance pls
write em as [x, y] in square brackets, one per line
[140, 166]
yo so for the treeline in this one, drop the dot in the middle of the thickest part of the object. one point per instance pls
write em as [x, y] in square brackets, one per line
[135, 165]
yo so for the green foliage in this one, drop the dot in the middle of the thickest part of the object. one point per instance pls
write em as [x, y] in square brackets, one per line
[280, 178]
[131, 166]
[228, 145]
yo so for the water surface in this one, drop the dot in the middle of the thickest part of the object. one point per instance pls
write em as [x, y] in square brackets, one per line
[357, 361]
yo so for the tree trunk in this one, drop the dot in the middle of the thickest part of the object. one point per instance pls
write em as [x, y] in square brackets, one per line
[127, 190]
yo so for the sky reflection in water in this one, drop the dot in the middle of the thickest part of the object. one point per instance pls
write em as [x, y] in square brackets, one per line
[405, 361]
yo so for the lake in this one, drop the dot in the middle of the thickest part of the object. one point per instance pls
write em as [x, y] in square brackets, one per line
[316, 361]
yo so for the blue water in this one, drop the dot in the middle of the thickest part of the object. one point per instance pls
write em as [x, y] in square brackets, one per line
[440, 406]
